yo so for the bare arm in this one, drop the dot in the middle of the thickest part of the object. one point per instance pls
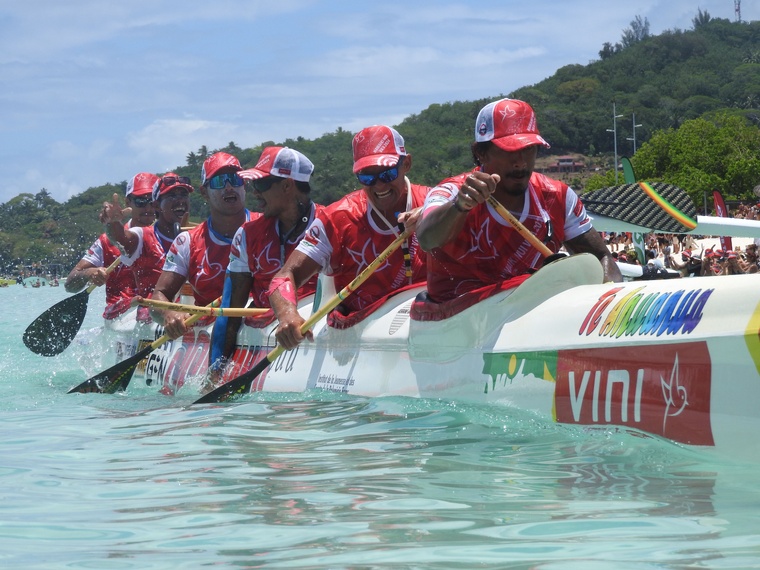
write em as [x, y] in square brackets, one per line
[442, 224]
[298, 269]
[592, 242]
[83, 273]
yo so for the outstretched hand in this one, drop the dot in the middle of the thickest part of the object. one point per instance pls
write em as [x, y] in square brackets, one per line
[113, 212]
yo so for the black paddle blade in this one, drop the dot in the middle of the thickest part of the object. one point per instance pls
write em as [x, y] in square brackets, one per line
[655, 205]
[235, 387]
[52, 332]
[115, 378]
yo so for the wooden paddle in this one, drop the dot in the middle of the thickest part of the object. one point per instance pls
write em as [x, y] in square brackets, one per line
[195, 310]
[521, 229]
[118, 376]
[242, 384]
[52, 332]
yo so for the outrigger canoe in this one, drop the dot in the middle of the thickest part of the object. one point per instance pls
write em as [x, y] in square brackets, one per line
[676, 358]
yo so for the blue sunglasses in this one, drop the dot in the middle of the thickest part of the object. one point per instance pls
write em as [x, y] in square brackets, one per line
[385, 176]
[220, 180]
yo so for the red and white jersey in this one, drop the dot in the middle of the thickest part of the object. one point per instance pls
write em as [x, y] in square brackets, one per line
[488, 250]
[147, 261]
[201, 257]
[120, 284]
[258, 249]
[345, 239]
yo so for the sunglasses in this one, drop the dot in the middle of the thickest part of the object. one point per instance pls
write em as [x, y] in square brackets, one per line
[141, 201]
[385, 176]
[220, 180]
[265, 184]
[171, 180]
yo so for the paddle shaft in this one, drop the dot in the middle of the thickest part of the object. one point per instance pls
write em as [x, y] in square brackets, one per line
[242, 384]
[194, 309]
[521, 229]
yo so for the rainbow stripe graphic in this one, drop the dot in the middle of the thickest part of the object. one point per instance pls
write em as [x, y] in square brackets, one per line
[667, 207]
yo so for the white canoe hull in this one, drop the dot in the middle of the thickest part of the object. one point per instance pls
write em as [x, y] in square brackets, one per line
[676, 358]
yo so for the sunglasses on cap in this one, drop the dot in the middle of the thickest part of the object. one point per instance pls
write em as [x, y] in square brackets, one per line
[142, 201]
[171, 180]
[220, 180]
[265, 184]
[385, 176]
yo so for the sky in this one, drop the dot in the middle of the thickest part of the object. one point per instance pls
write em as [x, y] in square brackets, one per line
[93, 92]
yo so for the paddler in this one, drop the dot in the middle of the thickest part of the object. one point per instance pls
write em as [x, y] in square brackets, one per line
[469, 244]
[120, 283]
[200, 255]
[347, 235]
[145, 248]
[280, 183]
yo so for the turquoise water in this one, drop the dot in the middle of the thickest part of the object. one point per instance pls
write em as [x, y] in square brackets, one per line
[144, 481]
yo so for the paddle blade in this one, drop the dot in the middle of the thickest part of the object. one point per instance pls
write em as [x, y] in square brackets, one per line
[654, 205]
[115, 378]
[237, 386]
[52, 332]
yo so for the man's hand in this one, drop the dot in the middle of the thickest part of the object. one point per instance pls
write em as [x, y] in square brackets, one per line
[113, 212]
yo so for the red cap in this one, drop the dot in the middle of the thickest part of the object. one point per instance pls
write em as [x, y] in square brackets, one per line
[510, 124]
[166, 184]
[377, 146]
[219, 163]
[141, 184]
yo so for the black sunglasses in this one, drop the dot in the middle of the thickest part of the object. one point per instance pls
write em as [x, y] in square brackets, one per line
[265, 184]
[141, 201]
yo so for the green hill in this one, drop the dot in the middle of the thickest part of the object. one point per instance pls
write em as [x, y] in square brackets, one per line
[709, 74]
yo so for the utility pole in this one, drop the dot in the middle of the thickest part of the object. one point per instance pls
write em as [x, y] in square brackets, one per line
[635, 126]
[613, 130]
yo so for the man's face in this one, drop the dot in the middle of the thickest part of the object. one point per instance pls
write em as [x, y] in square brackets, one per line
[386, 192]
[143, 210]
[174, 204]
[228, 200]
[514, 168]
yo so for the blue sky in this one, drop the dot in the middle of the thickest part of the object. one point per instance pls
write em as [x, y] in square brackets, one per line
[93, 92]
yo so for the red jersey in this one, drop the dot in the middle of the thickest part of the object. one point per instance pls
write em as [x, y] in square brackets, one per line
[147, 260]
[259, 248]
[201, 256]
[120, 285]
[488, 250]
[345, 239]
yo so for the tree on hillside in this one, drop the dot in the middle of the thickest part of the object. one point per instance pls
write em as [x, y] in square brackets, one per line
[701, 19]
[638, 31]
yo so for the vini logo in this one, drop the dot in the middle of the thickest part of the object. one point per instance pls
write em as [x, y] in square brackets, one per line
[664, 392]
[667, 396]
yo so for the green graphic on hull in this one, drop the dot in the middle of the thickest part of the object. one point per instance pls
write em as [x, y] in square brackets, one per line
[503, 368]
